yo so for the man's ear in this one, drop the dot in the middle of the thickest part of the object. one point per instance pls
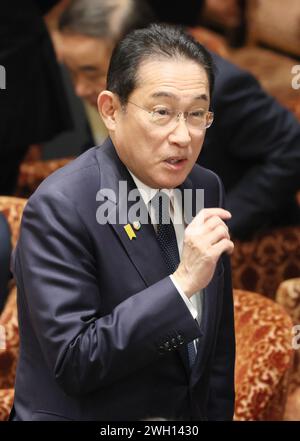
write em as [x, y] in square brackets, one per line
[108, 105]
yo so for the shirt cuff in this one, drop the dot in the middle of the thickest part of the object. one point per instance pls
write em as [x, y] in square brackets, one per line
[186, 300]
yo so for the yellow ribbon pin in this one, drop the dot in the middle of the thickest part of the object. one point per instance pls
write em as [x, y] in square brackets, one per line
[130, 233]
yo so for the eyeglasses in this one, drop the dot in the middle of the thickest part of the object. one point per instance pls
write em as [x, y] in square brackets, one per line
[163, 116]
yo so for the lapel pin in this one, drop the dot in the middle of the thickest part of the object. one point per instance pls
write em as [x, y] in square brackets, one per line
[136, 225]
[130, 233]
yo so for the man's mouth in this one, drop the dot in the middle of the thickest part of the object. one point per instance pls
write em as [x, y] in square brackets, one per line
[175, 160]
[176, 163]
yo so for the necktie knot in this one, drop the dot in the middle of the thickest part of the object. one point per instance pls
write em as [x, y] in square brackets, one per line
[162, 208]
[166, 236]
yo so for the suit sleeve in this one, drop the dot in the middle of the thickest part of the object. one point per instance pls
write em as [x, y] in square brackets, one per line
[221, 390]
[259, 131]
[55, 270]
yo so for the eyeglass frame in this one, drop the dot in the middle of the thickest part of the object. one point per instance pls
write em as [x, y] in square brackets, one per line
[179, 113]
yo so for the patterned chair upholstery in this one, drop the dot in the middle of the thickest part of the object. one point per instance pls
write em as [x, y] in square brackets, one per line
[265, 261]
[12, 208]
[9, 355]
[288, 295]
[6, 400]
[264, 357]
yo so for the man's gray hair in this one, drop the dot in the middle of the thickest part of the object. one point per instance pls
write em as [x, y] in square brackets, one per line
[110, 19]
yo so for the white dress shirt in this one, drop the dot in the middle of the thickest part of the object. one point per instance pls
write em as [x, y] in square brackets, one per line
[194, 304]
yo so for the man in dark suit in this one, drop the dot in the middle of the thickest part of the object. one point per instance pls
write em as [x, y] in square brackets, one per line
[120, 319]
[5, 251]
[253, 145]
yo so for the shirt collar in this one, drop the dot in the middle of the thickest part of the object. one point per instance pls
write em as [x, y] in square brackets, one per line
[147, 192]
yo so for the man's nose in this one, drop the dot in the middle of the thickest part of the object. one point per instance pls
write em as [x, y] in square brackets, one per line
[180, 134]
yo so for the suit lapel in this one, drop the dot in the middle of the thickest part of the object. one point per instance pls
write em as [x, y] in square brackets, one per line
[145, 253]
[144, 250]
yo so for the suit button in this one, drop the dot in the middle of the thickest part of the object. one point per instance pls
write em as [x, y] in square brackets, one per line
[161, 349]
[174, 343]
[167, 346]
[180, 339]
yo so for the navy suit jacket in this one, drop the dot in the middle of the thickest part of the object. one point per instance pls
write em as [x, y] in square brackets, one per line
[254, 146]
[103, 330]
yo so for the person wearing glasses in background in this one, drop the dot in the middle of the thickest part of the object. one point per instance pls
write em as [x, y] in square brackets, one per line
[34, 106]
[128, 314]
[254, 142]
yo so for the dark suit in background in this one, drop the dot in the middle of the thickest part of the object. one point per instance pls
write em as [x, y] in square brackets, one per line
[103, 330]
[33, 107]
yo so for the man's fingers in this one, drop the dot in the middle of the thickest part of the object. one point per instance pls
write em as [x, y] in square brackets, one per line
[219, 233]
[223, 246]
[207, 213]
[212, 223]
[202, 228]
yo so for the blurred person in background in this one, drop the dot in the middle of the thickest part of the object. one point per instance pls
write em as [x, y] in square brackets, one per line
[89, 31]
[32, 107]
[254, 144]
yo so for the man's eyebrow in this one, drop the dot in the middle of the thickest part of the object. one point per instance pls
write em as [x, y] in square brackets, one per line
[202, 97]
[163, 94]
